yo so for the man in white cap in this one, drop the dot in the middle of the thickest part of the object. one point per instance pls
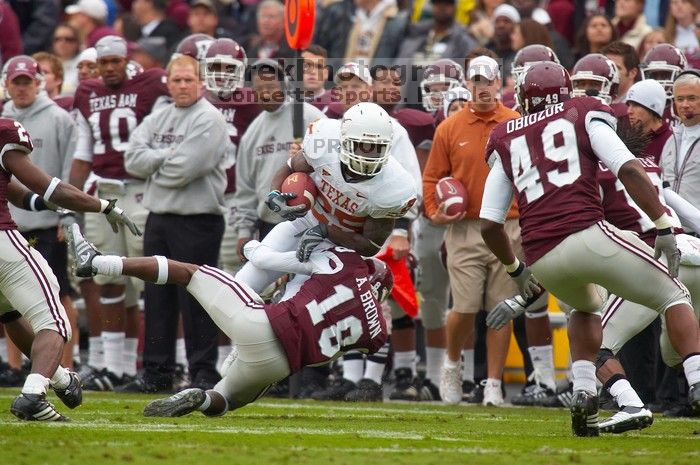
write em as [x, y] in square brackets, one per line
[505, 18]
[476, 278]
[88, 17]
[646, 101]
[107, 111]
[87, 64]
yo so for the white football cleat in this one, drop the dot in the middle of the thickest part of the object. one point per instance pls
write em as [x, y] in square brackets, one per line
[493, 396]
[628, 418]
[451, 385]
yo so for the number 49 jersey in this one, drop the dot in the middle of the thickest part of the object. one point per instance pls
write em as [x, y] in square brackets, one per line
[112, 114]
[389, 194]
[549, 159]
[332, 313]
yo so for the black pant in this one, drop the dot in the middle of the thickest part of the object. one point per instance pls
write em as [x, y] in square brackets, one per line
[193, 239]
[640, 357]
[45, 241]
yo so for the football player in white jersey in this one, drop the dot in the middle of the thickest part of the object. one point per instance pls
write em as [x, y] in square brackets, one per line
[362, 189]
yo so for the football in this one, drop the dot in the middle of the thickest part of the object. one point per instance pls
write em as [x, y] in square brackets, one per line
[452, 192]
[303, 186]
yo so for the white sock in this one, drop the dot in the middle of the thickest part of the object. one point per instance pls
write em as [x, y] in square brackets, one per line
[113, 343]
[449, 364]
[374, 371]
[60, 379]
[108, 265]
[468, 365]
[223, 353]
[76, 353]
[3, 349]
[625, 396]
[96, 355]
[691, 367]
[406, 359]
[205, 405]
[543, 363]
[353, 369]
[493, 382]
[180, 352]
[131, 355]
[35, 384]
[583, 373]
[434, 357]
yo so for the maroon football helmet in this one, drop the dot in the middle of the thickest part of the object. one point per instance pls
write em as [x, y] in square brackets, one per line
[443, 71]
[531, 54]
[194, 45]
[663, 63]
[224, 66]
[541, 85]
[380, 277]
[600, 69]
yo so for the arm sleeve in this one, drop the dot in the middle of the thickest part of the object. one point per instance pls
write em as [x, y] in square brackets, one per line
[686, 211]
[436, 168]
[498, 194]
[83, 145]
[266, 258]
[607, 146]
[203, 149]
[245, 199]
[140, 159]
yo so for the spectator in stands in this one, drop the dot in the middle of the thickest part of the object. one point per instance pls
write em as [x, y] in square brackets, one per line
[52, 69]
[562, 14]
[316, 73]
[181, 150]
[627, 61]
[680, 25]
[204, 19]
[595, 33]
[37, 21]
[561, 46]
[372, 32]
[10, 38]
[87, 64]
[269, 41]
[151, 52]
[88, 17]
[630, 23]
[529, 32]
[481, 20]
[151, 17]
[66, 46]
[505, 18]
[654, 38]
[127, 27]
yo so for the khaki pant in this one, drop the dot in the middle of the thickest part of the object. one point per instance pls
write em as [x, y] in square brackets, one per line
[237, 310]
[27, 282]
[100, 233]
[615, 260]
[477, 279]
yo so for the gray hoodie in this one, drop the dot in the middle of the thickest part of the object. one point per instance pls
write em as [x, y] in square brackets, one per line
[182, 154]
[264, 148]
[54, 134]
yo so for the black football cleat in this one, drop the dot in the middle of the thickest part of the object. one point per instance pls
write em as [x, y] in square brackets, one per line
[366, 391]
[694, 398]
[84, 253]
[35, 407]
[626, 419]
[71, 395]
[177, 405]
[337, 389]
[584, 414]
[532, 395]
[405, 387]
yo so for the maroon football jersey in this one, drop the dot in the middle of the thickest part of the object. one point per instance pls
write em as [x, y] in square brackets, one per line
[240, 109]
[13, 136]
[621, 211]
[114, 113]
[548, 157]
[65, 102]
[419, 125]
[331, 314]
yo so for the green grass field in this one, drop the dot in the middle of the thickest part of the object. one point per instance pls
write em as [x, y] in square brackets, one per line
[110, 429]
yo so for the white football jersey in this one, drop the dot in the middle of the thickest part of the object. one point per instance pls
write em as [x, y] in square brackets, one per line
[389, 194]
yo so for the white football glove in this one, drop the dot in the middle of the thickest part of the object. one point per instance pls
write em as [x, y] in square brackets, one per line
[665, 245]
[526, 281]
[505, 311]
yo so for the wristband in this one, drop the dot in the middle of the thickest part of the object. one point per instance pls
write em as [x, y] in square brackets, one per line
[162, 269]
[663, 222]
[105, 206]
[33, 202]
[399, 232]
[52, 187]
[664, 232]
[513, 267]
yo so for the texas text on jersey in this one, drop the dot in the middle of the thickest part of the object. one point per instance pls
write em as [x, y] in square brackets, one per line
[13, 136]
[113, 113]
[621, 211]
[389, 194]
[331, 314]
[548, 157]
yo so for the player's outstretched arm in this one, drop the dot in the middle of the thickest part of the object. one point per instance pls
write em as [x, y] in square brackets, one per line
[62, 194]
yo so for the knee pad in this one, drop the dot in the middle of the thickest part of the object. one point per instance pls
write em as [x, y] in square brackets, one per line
[539, 313]
[405, 322]
[603, 356]
[112, 300]
[9, 317]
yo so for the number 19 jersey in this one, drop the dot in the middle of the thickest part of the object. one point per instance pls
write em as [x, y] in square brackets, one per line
[549, 159]
[113, 113]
